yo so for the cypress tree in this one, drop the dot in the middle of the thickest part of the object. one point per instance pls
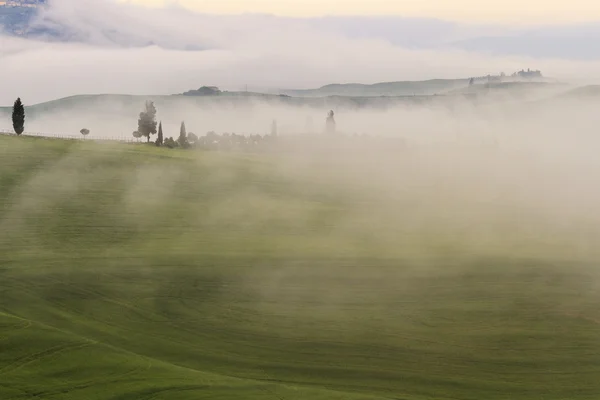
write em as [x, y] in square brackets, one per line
[18, 117]
[160, 140]
[183, 142]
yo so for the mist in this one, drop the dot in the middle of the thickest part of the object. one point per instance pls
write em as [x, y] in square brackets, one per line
[116, 48]
[491, 168]
[438, 245]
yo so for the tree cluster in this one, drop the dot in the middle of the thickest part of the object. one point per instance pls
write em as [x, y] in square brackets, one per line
[147, 126]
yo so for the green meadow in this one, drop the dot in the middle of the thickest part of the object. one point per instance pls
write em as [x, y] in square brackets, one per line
[132, 272]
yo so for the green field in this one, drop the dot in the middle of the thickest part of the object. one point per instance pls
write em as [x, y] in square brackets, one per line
[132, 272]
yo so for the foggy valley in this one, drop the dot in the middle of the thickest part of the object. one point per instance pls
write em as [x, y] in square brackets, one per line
[253, 205]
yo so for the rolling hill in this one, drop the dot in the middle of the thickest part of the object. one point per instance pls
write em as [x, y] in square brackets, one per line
[115, 115]
[404, 88]
[134, 272]
[332, 96]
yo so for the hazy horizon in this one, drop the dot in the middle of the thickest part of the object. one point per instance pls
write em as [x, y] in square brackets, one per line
[511, 11]
[441, 244]
[123, 48]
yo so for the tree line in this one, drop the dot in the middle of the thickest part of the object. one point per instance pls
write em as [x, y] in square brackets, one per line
[148, 126]
[331, 141]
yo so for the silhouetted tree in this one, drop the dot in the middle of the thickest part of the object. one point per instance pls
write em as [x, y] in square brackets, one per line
[85, 132]
[137, 134]
[147, 121]
[471, 81]
[182, 140]
[159, 140]
[18, 117]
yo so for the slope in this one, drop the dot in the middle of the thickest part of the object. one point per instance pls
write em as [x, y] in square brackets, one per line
[131, 272]
[402, 88]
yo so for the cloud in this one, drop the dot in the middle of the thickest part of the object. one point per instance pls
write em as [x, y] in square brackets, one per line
[106, 22]
[110, 47]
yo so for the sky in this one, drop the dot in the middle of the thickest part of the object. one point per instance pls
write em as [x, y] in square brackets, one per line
[505, 11]
[107, 46]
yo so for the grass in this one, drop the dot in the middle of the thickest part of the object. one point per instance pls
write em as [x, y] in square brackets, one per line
[131, 272]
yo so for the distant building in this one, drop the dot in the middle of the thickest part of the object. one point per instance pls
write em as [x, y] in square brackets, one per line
[529, 74]
[502, 77]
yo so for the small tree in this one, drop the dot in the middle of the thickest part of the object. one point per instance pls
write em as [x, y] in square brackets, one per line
[182, 140]
[18, 117]
[147, 121]
[137, 134]
[170, 143]
[85, 132]
[192, 139]
[160, 140]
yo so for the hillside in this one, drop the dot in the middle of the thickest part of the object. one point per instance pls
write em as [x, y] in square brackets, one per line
[128, 104]
[225, 100]
[404, 88]
[116, 115]
[133, 272]
[523, 91]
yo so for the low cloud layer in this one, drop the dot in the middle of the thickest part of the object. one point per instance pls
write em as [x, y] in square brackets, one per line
[107, 47]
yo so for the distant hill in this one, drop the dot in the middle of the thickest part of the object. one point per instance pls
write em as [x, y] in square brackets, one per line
[130, 104]
[116, 115]
[127, 104]
[247, 112]
[402, 88]
[512, 89]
